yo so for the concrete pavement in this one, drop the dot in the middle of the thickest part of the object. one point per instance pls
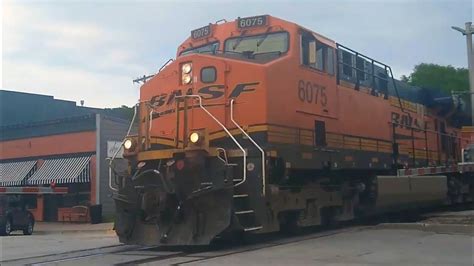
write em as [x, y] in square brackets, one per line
[365, 247]
[384, 244]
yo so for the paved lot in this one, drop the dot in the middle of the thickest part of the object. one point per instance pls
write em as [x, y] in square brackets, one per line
[20, 246]
[366, 247]
[356, 245]
[53, 238]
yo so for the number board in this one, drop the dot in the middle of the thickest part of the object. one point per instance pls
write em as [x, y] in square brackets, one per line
[250, 22]
[201, 32]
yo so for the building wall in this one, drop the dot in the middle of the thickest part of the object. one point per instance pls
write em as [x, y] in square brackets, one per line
[111, 129]
[38, 126]
[48, 145]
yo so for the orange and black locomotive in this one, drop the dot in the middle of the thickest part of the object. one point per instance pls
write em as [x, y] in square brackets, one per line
[260, 124]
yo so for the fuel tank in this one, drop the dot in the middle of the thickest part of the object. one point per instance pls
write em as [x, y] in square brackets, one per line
[410, 191]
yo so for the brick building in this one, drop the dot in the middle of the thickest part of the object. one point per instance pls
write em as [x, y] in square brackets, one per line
[45, 142]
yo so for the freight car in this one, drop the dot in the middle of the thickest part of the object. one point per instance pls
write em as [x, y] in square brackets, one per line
[260, 124]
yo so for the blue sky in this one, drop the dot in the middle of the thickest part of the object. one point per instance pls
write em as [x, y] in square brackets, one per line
[92, 50]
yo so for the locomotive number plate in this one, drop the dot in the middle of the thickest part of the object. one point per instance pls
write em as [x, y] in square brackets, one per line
[201, 32]
[250, 22]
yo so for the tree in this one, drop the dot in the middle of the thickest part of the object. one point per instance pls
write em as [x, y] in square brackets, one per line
[445, 78]
[123, 111]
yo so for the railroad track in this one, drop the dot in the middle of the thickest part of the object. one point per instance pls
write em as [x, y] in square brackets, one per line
[135, 255]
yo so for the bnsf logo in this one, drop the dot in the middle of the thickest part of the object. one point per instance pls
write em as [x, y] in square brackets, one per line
[402, 121]
[207, 93]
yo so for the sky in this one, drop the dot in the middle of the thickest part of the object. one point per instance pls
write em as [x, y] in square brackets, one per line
[92, 50]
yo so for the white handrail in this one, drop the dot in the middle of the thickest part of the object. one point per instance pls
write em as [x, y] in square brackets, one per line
[254, 143]
[111, 160]
[226, 130]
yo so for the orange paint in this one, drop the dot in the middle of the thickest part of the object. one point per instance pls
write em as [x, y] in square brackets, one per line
[274, 96]
[49, 145]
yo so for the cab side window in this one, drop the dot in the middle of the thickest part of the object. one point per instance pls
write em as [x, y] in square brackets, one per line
[315, 54]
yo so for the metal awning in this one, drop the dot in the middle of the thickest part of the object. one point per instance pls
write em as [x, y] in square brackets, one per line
[62, 171]
[14, 173]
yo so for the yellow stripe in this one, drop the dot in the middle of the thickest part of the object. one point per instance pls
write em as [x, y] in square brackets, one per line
[280, 134]
[163, 141]
[467, 129]
[236, 131]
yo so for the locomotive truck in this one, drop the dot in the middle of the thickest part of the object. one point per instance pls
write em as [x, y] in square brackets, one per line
[260, 124]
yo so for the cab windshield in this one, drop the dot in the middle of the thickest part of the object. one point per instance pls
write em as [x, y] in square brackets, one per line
[258, 44]
[210, 48]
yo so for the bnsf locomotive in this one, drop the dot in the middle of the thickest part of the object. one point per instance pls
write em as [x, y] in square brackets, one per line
[260, 124]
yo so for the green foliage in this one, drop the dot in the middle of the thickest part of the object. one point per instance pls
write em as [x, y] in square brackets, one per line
[123, 112]
[445, 78]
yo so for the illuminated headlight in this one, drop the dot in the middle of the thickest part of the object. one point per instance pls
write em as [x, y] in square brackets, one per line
[186, 78]
[186, 68]
[128, 144]
[194, 137]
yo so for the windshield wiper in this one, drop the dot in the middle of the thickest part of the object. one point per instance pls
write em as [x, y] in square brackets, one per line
[262, 40]
[237, 43]
[239, 40]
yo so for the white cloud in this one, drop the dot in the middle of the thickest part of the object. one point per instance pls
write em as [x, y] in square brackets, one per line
[67, 59]
[70, 36]
[14, 19]
[98, 90]
[93, 49]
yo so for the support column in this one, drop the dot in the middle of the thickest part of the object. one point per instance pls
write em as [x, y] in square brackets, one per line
[98, 160]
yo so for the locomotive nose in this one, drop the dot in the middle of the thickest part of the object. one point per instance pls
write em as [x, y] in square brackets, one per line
[181, 203]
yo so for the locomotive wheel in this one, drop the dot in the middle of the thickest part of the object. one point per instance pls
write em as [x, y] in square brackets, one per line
[289, 223]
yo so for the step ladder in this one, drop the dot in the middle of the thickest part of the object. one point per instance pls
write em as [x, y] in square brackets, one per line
[246, 215]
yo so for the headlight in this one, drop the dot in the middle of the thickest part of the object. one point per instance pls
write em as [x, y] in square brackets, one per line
[194, 137]
[186, 68]
[186, 78]
[128, 144]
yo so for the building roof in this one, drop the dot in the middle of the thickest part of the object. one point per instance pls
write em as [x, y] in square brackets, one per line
[24, 108]
[24, 115]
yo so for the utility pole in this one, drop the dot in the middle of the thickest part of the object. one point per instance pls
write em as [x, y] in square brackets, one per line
[468, 33]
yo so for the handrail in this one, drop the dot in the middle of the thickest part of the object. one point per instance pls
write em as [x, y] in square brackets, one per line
[111, 160]
[224, 160]
[163, 66]
[254, 143]
[372, 61]
[226, 130]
